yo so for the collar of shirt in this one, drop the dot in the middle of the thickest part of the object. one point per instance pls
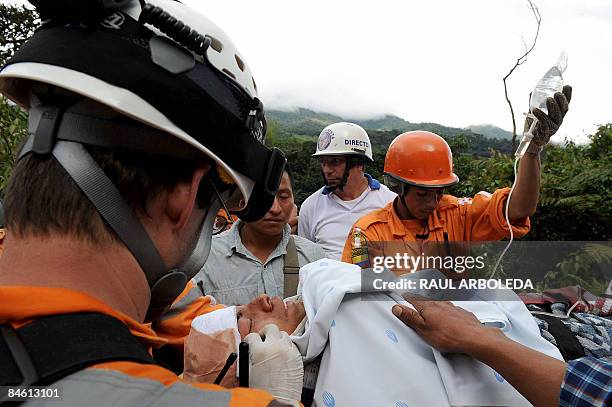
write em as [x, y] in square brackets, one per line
[372, 183]
[398, 228]
[236, 245]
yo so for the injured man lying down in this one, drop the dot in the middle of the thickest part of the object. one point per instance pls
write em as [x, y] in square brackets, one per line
[354, 351]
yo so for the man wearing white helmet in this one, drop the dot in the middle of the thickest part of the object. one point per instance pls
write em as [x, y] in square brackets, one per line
[144, 121]
[343, 150]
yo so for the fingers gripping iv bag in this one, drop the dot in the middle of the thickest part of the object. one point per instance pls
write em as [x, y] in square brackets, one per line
[547, 86]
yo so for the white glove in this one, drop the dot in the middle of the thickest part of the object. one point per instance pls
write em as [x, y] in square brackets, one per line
[276, 363]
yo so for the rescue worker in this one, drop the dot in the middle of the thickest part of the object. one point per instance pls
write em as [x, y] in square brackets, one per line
[326, 216]
[260, 257]
[422, 219]
[144, 120]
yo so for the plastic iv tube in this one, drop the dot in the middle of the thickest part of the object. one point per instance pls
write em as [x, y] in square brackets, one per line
[527, 137]
[506, 213]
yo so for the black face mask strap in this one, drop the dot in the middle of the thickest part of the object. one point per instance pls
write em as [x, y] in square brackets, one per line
[221, 201]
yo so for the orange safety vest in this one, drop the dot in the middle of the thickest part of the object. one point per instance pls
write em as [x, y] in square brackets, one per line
[20, 305]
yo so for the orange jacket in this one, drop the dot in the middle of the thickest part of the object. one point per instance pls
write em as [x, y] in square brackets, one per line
[19, 305]
[480, 218]
[175, 324]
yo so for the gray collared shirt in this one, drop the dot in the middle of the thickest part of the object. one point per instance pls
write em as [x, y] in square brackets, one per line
[233, 275]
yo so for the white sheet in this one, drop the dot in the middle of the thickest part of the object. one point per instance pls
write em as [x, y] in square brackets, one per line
[371, 359]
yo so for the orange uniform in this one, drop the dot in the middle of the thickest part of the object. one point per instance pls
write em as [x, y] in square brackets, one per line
[120, 382]
[480, 218]
[175, 324]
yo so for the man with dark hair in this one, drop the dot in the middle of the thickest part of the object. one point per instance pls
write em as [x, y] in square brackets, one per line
[137, 139]
[260, 257]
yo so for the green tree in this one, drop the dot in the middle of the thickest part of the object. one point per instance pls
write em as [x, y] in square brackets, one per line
[17, 24]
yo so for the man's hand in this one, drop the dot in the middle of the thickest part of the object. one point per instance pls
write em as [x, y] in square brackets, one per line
[276, 363]
[442, 325]
[452, 329]
[548, 124]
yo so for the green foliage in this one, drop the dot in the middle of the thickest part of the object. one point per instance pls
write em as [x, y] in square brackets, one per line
[587, 268]
[17, 24]
[489, 130]
[13, 129]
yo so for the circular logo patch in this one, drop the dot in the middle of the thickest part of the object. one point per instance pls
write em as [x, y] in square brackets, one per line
[325, 139]
[114, 20]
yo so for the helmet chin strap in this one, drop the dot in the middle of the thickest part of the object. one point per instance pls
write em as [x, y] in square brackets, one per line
[402, 198]
[165, 291]
[201, 246]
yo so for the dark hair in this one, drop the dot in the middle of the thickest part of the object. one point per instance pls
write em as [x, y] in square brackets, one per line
[290, 174]
[356, 161]
[41, 198]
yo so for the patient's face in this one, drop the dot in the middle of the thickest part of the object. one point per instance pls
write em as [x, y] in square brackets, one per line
[264, 310]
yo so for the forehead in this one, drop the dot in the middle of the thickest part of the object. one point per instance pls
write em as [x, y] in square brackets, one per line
[421, 191]
[285, 182]
[331, 158]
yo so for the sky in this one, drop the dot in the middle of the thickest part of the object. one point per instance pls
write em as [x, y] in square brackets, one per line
[426, 61]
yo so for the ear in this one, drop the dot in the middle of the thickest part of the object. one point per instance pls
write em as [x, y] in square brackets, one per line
[181, 199]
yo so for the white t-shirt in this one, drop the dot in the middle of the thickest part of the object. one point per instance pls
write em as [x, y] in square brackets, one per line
[327, 220]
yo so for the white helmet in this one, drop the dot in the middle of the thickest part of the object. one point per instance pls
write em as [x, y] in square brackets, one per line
[161, 64]
[344, 139]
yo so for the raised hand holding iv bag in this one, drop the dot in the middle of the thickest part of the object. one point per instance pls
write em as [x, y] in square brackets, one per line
[547, 86]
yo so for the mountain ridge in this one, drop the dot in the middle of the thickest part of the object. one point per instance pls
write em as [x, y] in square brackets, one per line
[307, 122]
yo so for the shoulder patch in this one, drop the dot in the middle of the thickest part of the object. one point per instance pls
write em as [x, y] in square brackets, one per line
[359, 249]
[485, 194]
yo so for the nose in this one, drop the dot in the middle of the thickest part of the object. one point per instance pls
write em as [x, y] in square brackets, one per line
[264, 302]
[432, 201]
[327, 169]
[275, 209]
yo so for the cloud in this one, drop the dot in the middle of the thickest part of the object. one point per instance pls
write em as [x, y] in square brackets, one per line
[438, 61]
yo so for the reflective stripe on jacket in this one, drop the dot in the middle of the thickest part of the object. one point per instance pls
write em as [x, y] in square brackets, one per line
[117, 383]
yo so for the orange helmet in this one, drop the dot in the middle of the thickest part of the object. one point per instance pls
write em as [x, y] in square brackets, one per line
[420, 158]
